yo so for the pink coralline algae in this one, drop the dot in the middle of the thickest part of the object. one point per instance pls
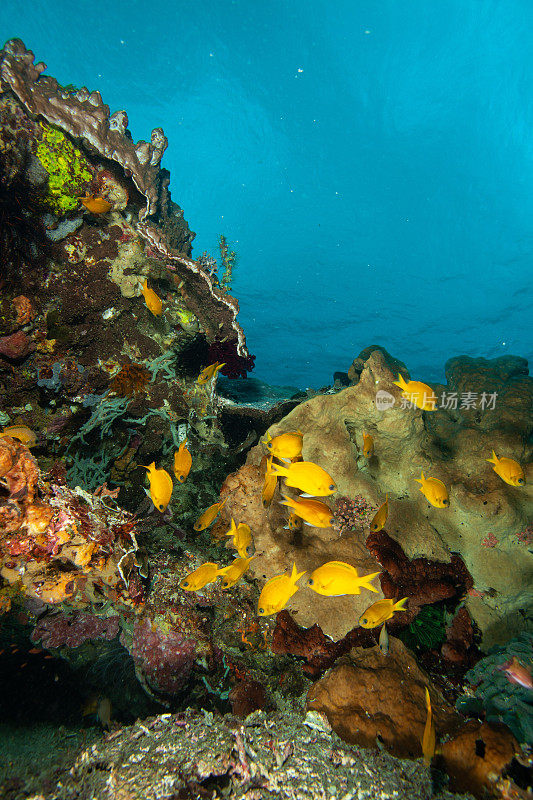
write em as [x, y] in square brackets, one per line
[71, 630]
[489, 541]
[351, 513]
[163, 659]
[526, 536]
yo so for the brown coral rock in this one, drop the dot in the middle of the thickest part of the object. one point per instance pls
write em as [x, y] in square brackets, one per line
[443, 444]
[371, 698]
[477, 756]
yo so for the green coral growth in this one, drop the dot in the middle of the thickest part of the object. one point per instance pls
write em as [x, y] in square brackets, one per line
[427, 630]
[493, 693]
[67, 169]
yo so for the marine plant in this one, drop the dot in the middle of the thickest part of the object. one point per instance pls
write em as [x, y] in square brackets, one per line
[68, 170]
[228, 259]
[493, 693]
[427, 630]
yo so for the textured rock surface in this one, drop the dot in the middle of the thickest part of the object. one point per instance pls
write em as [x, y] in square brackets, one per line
[448, 444]
[370, 698]
[199, 755]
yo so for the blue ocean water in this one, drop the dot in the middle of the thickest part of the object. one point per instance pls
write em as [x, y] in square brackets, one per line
[370, 162]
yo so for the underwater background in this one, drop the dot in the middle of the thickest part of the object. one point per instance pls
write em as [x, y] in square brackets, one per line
[370, 163]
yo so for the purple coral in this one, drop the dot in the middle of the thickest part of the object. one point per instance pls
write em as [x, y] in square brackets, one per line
[351, 514]
[71, 630]
[164, 659]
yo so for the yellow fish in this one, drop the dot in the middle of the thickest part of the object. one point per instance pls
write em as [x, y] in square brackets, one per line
[206, 573]
[269, 485]
[234, 572]
[285, 445]
[380, 612]
[311, 511]
[277, 592]
[160, 486]
[380, 517]
[96, 205]
[152, 301]
[182, 462]
[434, 491]
[22, 433]
[294, 522]
[209, 372]
[205, 519]
[368, 445]
[242, 538]
[507, 469]
[419, 394]
[307, 477]
[336, 578]
[429, 739]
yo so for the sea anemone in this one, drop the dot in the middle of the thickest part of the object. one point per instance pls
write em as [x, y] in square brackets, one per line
[130, 380]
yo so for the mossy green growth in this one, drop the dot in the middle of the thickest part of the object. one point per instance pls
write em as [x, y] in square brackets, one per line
[67, 169]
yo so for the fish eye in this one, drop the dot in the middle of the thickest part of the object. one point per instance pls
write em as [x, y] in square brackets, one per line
[181, 478]
[331, 520]
[446, 502]
[269, 445]
[310, 582]
[332, 487]
[185, 583]
[161, 507]
[261, 610]
[364, 621]
[521, 481]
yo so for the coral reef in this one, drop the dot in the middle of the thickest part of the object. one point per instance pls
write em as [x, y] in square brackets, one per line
[196, 754]
[429, 554]
[492, 693]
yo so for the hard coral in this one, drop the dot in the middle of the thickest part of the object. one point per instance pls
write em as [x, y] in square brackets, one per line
[130, 380]
[71, 630]
[62, 546]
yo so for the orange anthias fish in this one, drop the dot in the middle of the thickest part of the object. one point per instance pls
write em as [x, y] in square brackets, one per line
[419, 394]
[22, 433]
[429, 739]
[507, 469]
[153, 302]
[182, 462]
[209, 372]
[517, 673]
[160, 486]
[205, 519]
[380, 517]
[96, 205]
[368, 445]
[306, 476]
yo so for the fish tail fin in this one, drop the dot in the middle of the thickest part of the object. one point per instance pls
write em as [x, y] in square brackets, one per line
[295, 575]
[400, 382]
[400, 605]
[365, 581]
[421, 479]
[494, 459]
[277, 469]
[287, 501]
[428, 700]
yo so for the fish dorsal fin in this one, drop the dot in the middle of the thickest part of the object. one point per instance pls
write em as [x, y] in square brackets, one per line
[342, 565]
[295, 575]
